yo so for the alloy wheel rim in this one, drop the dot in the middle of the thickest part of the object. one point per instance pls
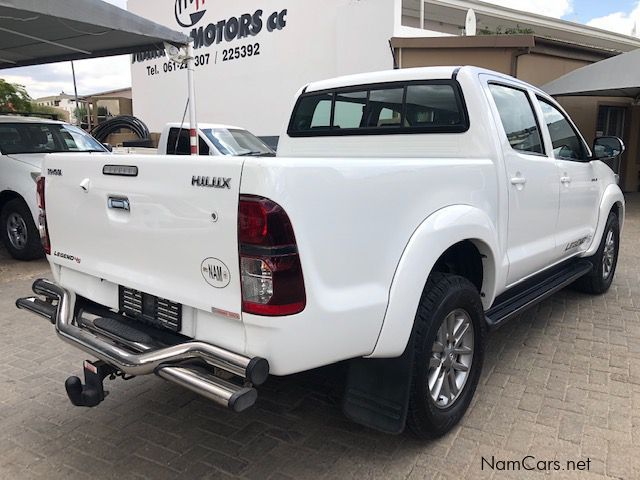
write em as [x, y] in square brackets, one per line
[451, 358]
[17, 231]
[608, 255]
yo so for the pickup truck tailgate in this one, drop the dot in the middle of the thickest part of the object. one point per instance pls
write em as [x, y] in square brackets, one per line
[169, 231]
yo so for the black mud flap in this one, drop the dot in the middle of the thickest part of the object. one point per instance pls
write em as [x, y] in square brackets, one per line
[377, 392]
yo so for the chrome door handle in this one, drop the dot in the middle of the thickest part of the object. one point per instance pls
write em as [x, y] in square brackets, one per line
[565, 179]
[518, 181]
[120, 203]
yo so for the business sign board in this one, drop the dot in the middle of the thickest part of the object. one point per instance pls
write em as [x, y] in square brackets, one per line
[252, 56]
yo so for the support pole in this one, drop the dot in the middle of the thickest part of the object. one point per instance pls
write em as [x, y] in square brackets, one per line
[193, 123]
[75, 91]
[421, 14]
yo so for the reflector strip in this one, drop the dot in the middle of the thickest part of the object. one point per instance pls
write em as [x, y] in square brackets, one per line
[193, 141]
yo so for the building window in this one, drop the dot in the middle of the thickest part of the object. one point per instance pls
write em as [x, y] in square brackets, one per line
[610, 121]
[518, 118]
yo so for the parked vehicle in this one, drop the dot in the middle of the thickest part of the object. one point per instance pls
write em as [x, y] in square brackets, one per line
[24, 142]
[407, 213]
[214, 139]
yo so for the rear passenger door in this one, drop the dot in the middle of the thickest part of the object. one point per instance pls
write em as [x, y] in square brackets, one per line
[532, 182]
[579, 187]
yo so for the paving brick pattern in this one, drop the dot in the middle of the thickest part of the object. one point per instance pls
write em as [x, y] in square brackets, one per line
[560, 383]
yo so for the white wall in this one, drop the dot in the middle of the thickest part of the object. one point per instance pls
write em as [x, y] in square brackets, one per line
[321, 39]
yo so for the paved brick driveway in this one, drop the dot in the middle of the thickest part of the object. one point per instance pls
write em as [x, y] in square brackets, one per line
[561, 383]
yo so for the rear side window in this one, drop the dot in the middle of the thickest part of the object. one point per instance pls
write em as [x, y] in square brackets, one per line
[435, 106]
[518, 118]
[313, 112]
[432, 105]
[179, 143]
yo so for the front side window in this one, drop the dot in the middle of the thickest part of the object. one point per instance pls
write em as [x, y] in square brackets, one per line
[567, 145]
[398, 107]
[518, 118]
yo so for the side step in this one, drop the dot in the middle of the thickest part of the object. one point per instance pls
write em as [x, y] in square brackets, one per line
[225, 394]
[39, 307]
[522, 297]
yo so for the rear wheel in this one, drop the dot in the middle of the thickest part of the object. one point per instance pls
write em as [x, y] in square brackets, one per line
[449, 351]
[18, 231]
[604, 260]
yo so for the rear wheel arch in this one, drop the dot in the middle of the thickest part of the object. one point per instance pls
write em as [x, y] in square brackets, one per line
[447, 238]
[472, 259]
[7, 195]
[618, 209]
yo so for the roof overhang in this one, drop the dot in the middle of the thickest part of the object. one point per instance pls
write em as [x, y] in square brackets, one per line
[36, 31]
[453, 13]
[615, 77]
[530, 43]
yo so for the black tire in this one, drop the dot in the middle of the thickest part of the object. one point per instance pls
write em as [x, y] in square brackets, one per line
[597, 281]
[29, 247]
[443, 295]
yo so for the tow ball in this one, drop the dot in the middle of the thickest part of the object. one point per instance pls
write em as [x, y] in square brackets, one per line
[92, 392]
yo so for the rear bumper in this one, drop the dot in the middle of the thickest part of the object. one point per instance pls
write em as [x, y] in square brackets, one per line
[138, 358]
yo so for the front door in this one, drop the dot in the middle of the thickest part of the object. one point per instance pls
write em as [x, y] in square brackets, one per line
[533, 185]
[578, 182]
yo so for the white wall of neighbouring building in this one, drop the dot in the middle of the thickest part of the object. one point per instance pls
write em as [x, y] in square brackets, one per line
[311, 40]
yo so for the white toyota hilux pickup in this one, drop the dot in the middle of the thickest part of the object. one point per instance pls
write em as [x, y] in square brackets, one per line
[407, 213]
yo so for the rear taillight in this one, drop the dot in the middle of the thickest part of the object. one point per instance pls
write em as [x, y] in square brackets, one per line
[42, 218]
[272, 282]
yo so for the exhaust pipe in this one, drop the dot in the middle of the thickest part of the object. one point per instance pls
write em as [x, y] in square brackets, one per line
[164, 361]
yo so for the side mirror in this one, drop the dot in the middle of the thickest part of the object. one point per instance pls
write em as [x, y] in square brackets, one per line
[108, 146]
[607, 148]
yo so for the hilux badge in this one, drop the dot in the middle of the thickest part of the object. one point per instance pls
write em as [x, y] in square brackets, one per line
[215, 272]
[211, 182]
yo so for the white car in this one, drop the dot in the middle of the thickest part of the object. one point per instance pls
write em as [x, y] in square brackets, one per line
[407, 213]
[24, 142]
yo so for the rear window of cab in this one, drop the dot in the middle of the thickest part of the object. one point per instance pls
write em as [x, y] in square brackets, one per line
[435, 106]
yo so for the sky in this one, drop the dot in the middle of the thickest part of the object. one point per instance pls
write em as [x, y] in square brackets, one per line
[102, 74]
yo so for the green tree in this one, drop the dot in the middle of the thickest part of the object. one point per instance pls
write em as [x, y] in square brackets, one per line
[13, 97]
[80, 113]
[49, 111]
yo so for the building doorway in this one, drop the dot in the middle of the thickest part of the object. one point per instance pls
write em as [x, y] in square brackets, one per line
[610, 122]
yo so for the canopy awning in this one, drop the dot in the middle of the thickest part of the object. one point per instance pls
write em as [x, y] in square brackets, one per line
[617, 76]
[34, 32]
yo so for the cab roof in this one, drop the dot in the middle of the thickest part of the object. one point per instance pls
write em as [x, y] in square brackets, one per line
[399, 75]
[21, 119]
[202, 125]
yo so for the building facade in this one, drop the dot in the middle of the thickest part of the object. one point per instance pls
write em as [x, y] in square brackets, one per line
[64, 102]
[253, 56]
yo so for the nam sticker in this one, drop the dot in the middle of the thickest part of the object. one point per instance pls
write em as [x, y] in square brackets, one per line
[215, 272]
